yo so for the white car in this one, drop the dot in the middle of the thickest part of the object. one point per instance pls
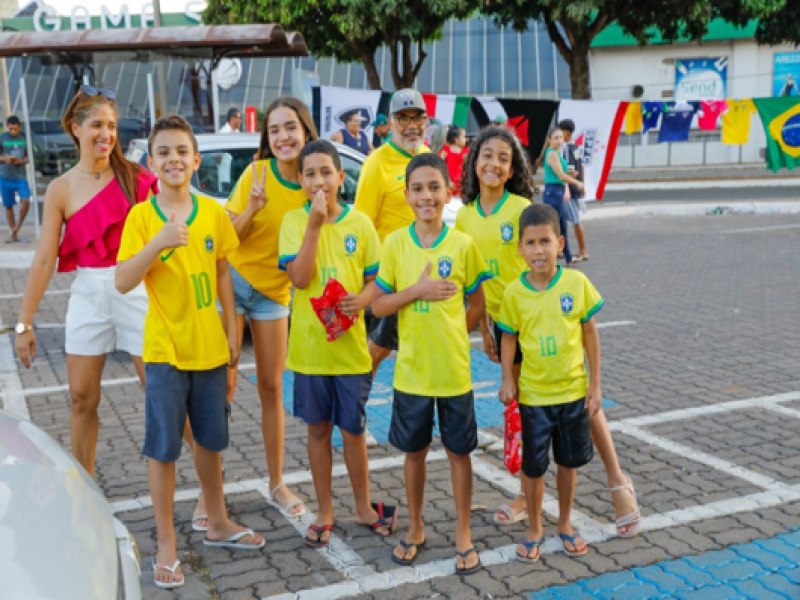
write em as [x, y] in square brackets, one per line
[58, 535]
[223, 157]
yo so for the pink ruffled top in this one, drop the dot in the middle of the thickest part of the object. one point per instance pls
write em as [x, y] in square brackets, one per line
[92, 235]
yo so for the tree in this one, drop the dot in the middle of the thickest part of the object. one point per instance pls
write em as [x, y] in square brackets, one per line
[353, 30]
[574, 24]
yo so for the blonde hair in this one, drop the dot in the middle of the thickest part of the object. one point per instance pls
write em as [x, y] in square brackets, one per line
[78, 110]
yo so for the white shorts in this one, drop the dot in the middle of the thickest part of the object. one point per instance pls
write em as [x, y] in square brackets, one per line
[100, 319]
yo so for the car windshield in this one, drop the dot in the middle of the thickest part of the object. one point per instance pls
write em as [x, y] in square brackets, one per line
[220, 170]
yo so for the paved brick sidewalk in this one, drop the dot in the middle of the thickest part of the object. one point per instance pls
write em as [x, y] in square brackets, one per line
[701, 314]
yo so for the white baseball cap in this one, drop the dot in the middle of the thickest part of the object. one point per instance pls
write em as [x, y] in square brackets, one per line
[405, 99]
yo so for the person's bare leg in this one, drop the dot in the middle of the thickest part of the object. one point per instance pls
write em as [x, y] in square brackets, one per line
[24, 207]
[624, 503]
[161, 477]
[461, 480]
[209, 470]
[270, 340]
[565, 484]
[378, 354]
[533, 488]
[355, 457]
[581, 237]
[83, 374]
[320, 459]
[519, 503]
[415, 470]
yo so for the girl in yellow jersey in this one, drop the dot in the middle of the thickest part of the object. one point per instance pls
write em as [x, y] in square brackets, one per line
[497, 187]
[265, 192]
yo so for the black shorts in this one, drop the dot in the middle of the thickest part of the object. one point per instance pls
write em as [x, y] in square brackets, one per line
[498, 338]
[384, 331]
[567, 425]
[412, 422]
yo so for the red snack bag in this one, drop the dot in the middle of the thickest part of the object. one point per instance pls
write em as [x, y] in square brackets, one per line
[512, 451]
[326, 307]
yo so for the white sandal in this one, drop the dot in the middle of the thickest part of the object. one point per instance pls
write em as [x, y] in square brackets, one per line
[632, 519]
[510, 516]
[167, 585]
[286, 509]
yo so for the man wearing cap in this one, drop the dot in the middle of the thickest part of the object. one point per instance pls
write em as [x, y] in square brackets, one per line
[381, 193]
[380, 127]
[352, 135]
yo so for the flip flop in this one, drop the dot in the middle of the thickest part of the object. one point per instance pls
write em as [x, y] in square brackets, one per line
[387, 517]
[510, 516]
[530, 545]
[318, 530]
[463, 556]
[631, 520]
[167, 585]
[571, 539]
[196, 526]
[286, 509]
[406, 547]
[233, 542]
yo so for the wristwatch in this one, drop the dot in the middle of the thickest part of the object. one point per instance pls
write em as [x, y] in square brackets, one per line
[21, 328]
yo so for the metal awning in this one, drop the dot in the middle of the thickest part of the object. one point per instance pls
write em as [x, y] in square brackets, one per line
[194, 42]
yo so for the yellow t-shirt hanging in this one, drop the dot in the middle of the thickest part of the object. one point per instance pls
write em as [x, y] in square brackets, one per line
[736, 121]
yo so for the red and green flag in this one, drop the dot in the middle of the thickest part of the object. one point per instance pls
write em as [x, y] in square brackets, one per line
[781, 120]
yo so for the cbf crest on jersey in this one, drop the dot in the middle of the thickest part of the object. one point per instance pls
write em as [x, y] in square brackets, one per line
[445, 267]
[507, 232]
[567, 303]
[209, 244]
[350, 244]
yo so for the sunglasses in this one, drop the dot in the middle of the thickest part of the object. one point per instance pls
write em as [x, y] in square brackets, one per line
[91, 90]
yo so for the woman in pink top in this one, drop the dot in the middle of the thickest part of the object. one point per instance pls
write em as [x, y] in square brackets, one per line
[89, 204]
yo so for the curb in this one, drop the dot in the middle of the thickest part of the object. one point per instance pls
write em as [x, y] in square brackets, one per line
[598, 211]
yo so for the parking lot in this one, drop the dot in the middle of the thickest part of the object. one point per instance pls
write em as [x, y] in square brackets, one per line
[700, 349]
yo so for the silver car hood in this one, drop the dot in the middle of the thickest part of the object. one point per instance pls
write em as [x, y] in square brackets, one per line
[57, 536]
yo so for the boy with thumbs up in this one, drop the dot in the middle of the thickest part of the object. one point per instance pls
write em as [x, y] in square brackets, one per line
[177, 244]
[427, 271]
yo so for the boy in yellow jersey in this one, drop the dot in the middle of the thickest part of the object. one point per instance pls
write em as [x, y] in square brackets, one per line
[552, 311]
[177, 244]
[320, 241]
[427, 271]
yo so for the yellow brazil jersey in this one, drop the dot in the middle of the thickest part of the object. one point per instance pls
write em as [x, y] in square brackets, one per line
[348, 250]
[549, 326]
[183, 327]
[496, 236]
[256, 258]
[381, 192]
[433, 357]
[736, 121]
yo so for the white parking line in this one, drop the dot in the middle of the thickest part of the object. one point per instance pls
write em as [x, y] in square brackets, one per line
[759, 229]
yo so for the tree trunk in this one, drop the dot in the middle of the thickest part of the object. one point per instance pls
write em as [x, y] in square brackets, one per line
[368, 60]
[579, 72]
[408, 75]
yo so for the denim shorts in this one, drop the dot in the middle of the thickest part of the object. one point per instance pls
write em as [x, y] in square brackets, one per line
[170, 395]
[411, 429]
[253, 304]
[566, 426]
[11, 188]
[340, 399]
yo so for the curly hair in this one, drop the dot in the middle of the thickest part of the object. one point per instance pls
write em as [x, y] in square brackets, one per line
[521, 180]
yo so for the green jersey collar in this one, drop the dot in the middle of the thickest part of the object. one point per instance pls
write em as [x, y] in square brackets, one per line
[163, 217]
[497, 206]
[553, 281]
[436, 242]
[292, 185]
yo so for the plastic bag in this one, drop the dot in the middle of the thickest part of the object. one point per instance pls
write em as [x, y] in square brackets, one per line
[512, 450]
[326, 307]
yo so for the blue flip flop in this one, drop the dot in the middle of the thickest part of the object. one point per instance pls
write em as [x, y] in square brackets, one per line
[530, 545]
[565, 537]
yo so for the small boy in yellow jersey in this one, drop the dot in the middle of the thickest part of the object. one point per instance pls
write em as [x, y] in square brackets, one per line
[177, 244]
[320, 241]
[427, 271]
[551, 310]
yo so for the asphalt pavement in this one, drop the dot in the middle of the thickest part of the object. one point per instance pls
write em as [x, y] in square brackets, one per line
[700, 350]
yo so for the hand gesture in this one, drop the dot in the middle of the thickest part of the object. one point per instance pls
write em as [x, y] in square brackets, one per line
[594, 400]
[508, 391]
[434, 289]
[352, 305]
[319, 210]
[26, 347]
[258, 191]
[173, 234]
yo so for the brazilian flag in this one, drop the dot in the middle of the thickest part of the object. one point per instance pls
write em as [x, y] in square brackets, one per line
[781, 120]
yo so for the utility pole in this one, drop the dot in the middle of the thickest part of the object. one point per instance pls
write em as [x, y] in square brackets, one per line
[160, 75]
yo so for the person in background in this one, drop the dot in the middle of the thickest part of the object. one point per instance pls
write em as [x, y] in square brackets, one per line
[352, 135]
[573, 204]
[233, 122]
[381, 130]
[453, 154]
[13, 183]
